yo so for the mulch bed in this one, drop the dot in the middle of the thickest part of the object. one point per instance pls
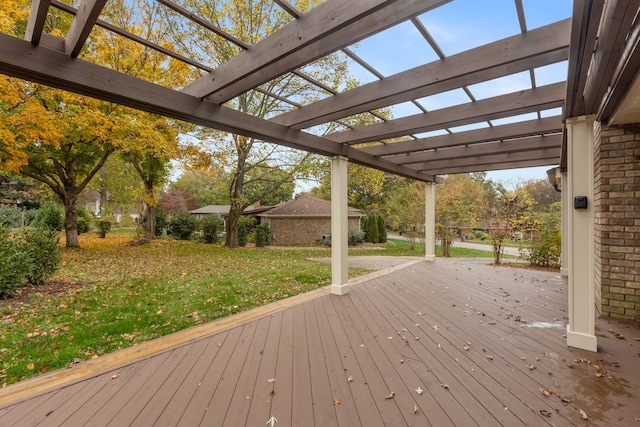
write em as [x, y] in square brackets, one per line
[56, 287]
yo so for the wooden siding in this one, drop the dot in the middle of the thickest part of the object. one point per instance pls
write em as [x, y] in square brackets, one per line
[482, 343]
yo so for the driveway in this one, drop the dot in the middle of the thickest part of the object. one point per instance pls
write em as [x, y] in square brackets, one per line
[509, 250]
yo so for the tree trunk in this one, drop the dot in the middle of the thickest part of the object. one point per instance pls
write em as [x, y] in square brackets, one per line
[232, 226]
[103, 189]
[71, 221]
[236, 190]
[150, 208]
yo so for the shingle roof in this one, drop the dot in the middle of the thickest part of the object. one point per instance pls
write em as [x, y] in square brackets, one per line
[212, 209]
[306, 206]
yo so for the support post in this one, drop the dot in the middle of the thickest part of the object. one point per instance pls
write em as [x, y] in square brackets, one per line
[430, 222]
[339, 226]
[581, 243]
[564, 233]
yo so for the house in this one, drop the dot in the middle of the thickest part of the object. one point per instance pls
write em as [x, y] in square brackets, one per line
[304, 220]
[219, 210]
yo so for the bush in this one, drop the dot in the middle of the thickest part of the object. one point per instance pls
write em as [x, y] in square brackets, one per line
[103, 226]
[43, 249]
[479, 234]
[11, 216]
[14, 264]
[211, 227]
[382, 230]
[51, 216]
[263, 235]
[181, 225]
[356, 237]
[243, 234]
[546, 243]
[127, 222]
[83, 219]
[372, 229]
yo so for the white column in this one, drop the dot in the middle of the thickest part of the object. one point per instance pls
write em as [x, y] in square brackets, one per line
[564, 213]
[580, 182]
[430, 222]
[339, 226]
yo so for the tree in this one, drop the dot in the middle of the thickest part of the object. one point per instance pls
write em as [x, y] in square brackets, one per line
[509, 214]
[249, 21]
[459, 199]
[176, 200]
[62, 140]
[407, 210]
[542, 193]
[205, 186]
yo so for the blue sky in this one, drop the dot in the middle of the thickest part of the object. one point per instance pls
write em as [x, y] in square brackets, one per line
[458, 26]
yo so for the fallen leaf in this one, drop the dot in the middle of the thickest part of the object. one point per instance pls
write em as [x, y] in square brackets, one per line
[491, 322]
[31, 366]
[114, 376]
[416, 410]
[466, 347]
[620, 336]
[390, 395]
[584, 414]
[489, 357]
[271, 380]
[350, 379]
[531, 367]
[419, 391]
[545, 413]
[547, 392]
[336, 401]
[447, 386]
[435, 327]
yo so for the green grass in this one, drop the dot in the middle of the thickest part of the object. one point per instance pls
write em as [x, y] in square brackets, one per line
[119, 294]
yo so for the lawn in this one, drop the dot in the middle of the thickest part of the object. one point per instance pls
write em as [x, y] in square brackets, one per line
[111, 294]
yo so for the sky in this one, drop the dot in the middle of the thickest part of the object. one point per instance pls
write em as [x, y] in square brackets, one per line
[458, 26]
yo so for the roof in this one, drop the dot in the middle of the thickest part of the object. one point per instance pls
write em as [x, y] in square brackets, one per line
[306, 206]
[418, 141]
[212, 210]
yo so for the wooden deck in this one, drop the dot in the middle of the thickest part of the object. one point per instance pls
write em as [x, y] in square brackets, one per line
[436, 344]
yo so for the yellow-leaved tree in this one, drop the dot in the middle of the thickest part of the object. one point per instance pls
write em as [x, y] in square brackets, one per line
[252, 162]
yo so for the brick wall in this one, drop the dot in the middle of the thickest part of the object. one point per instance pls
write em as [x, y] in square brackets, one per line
[286, 231]
[617, 220]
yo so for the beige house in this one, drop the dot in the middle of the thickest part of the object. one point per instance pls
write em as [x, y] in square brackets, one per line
[304, 220]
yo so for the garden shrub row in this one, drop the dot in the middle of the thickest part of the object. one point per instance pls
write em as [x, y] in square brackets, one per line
[375, 229]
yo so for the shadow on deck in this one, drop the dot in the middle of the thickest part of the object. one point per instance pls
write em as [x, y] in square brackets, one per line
[444, 343]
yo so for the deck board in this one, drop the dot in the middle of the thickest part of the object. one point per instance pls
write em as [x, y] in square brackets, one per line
[423, 325]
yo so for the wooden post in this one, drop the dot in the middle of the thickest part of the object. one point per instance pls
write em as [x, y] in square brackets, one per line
[339, 226]
[430, 222]
[564, 213]
[580, 227]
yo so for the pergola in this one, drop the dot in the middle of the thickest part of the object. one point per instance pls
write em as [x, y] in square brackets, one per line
[466, 137]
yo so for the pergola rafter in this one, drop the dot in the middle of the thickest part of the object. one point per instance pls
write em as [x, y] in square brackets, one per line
[334, 26]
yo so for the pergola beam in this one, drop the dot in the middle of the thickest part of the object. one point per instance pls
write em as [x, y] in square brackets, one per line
[494, 166]
[37, 18]
[496, 133]
[619, 18]
[533, 143]
[543, 46]
[19, 58]
[481, 161]
[325, 29]
[526, 101]
[82, 24]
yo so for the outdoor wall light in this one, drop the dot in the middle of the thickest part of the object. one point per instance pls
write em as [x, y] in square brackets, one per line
[580, 202]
